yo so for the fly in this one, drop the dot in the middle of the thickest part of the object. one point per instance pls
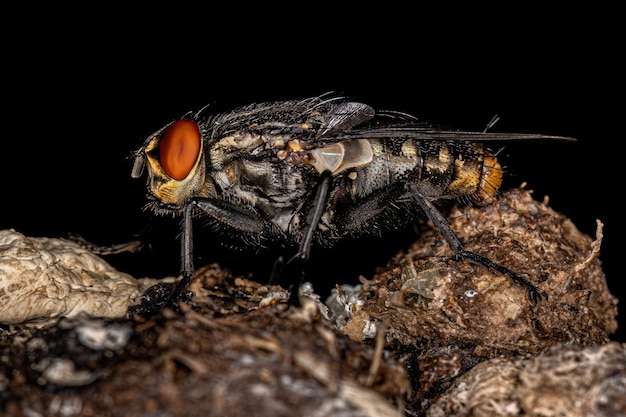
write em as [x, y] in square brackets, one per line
[312, 172]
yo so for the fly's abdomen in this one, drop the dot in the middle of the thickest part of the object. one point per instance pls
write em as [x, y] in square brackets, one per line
[458, 170]
[440, 169]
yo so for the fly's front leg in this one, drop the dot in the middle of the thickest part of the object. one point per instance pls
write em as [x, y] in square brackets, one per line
[180, 292]
[534, 294]
[240, 219]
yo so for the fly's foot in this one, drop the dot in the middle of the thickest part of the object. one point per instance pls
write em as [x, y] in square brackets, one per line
[297, 266]
[181, 293]
[162, 296]
[294, 295]
[283, 272]
[535, 295]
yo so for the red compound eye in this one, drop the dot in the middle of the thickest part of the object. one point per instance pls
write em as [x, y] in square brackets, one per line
[179, 148]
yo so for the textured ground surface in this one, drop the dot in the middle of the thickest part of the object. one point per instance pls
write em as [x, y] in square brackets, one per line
[427, 335]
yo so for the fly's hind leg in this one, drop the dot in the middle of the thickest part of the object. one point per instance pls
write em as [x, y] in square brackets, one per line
[534, 294]
[359, 216]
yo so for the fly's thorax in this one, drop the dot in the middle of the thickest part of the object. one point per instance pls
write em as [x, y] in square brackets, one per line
[267, 185]
[236, 145]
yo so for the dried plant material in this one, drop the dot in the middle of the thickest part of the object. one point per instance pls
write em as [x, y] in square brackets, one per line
[565, 381]
[43, 279]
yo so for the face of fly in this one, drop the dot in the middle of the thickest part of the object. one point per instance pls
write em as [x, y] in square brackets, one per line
[175, 164]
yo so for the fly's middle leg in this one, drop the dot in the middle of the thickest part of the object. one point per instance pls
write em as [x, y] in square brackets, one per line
[313, 217]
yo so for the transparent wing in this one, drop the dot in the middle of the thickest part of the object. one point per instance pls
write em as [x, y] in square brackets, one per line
[423, 132]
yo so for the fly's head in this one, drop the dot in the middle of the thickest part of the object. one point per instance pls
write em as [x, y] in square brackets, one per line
[173, 157]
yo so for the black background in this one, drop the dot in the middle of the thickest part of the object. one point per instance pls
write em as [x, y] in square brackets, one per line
[81, 94]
